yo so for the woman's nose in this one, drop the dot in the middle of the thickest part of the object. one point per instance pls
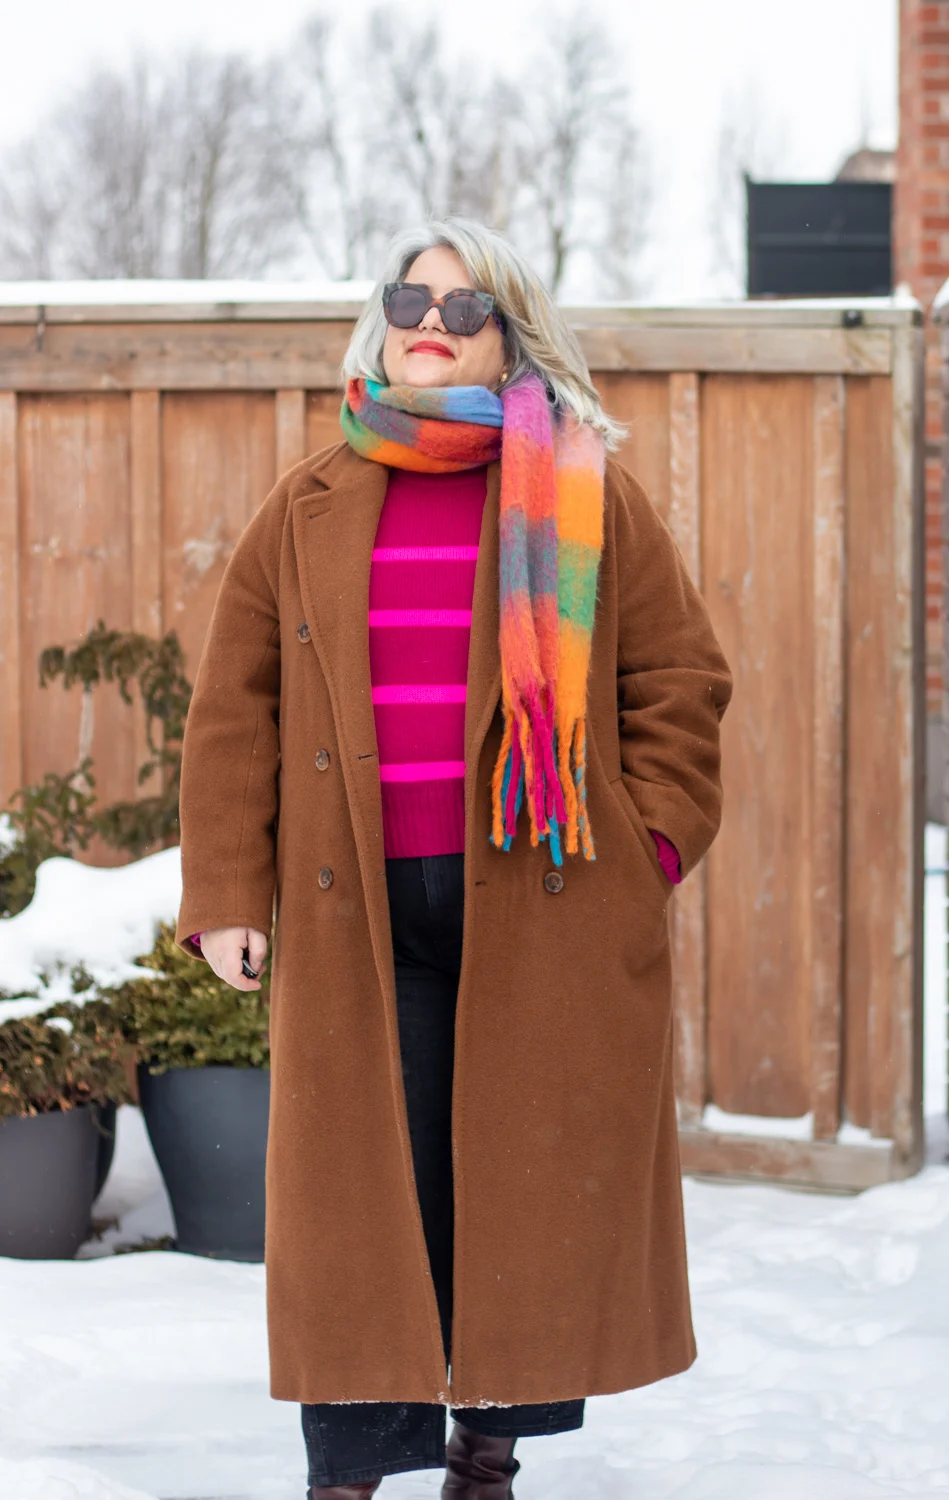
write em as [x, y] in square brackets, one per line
[432, 321]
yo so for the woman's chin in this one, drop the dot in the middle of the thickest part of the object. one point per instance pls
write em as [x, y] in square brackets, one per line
[428, 369]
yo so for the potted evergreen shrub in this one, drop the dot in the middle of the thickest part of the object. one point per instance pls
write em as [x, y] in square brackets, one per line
[204, 1089]
[60, 814]
[204, 1076]
[61, 1075]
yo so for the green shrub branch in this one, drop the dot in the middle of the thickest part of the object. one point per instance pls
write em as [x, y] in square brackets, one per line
[60, 814]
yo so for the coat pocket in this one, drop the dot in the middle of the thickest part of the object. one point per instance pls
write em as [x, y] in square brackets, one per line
[644, 838]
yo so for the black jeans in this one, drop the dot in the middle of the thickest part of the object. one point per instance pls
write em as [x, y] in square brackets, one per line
[349, 1442]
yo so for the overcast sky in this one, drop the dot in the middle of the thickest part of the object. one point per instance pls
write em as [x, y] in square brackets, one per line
[823, 73]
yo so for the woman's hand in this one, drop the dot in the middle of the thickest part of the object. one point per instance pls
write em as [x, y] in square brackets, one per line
[223, 948]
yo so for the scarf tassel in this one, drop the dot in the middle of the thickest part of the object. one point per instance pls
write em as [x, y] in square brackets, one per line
[549, 769]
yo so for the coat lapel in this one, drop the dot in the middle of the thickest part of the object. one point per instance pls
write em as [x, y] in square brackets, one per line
[333, 534]
[333, 531]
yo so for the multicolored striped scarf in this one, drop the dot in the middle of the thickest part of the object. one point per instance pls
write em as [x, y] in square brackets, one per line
[551, 537]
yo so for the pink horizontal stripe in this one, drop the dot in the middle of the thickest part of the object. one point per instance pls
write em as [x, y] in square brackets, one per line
[422, 770]
[424, 554]
[421, 692]
[379, 617]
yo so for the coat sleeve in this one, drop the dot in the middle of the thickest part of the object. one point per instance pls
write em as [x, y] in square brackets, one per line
[673, 683]
[230, 754]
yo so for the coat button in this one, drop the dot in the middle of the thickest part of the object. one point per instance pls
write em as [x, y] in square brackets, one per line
[321, 760]
[553, 882]
[325, 878]
[303, 632]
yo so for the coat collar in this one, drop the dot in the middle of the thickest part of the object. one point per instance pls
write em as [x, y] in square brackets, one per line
[334, 528]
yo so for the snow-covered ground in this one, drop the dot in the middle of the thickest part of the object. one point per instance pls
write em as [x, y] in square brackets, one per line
[822, 1324]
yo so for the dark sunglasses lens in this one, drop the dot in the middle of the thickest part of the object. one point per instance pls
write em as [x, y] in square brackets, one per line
[463, 314]
[406, 307]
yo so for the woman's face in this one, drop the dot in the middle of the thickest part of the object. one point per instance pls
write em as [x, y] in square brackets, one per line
[428, 354]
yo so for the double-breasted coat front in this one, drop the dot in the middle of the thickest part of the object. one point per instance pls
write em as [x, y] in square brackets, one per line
[569, 1260]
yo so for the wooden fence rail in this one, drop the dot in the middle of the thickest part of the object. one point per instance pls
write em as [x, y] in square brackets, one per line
[781, 442]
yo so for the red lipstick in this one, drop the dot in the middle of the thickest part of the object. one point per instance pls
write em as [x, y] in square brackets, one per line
[428, 346]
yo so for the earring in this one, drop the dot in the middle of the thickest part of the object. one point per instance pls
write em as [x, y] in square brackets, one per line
[503, 376]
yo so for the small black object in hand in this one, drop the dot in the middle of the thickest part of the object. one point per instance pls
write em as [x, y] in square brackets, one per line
[245, 965]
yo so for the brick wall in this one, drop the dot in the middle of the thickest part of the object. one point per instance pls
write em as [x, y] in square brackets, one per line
[921, 251]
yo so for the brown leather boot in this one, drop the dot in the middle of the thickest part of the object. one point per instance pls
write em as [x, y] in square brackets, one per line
[360, 1491]
[478, 1467]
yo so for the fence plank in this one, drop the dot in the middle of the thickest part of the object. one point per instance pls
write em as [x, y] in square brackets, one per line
[908, 501]
[641, 402]
[76, 568]
[757, 471]
[884, 789]
[176, 357]
[11, 687]
[820, 1164]
[146, 511]
[145, 458]
[688, 905]
[290, 423]
[827, 729]
[683, 517]
[322, 420]
[306, 355]
[874, 850]
[218, 462]
[760, 351]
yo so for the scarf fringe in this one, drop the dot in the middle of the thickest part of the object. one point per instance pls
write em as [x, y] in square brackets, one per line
[548, 768]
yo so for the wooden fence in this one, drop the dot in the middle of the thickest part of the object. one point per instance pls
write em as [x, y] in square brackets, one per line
[781, 441]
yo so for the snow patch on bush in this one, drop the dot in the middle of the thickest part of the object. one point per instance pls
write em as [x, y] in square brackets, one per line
[101, 918]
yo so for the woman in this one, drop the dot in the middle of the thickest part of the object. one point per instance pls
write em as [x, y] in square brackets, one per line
[458, 714]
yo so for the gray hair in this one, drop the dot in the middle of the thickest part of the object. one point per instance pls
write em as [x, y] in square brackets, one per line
[536, 339]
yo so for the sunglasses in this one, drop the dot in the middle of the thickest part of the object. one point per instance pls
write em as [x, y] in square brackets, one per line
[463, 311]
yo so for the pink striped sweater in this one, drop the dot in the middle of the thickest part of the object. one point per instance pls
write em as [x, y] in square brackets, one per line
[421, 584]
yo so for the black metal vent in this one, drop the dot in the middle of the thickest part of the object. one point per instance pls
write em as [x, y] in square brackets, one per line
[819, 239]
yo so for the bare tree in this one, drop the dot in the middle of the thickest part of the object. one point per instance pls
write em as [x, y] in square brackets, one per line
[344, 201]
[750, 141]
[171, 169]
[444, 130]
[234, 146]
[81, 196]
[626, 206]
[390, 129]
[552, 155]
[33, 196]
[116, 206]
[582, 158]
[210, 165]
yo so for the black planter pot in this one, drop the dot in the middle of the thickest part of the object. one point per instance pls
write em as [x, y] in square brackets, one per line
[208, 1129]
[48, 1166]
[106, 1115]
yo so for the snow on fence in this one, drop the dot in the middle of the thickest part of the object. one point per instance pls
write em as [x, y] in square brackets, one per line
[781, 441]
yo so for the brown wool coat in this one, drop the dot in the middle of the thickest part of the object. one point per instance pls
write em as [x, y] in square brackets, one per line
[570, 1261]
